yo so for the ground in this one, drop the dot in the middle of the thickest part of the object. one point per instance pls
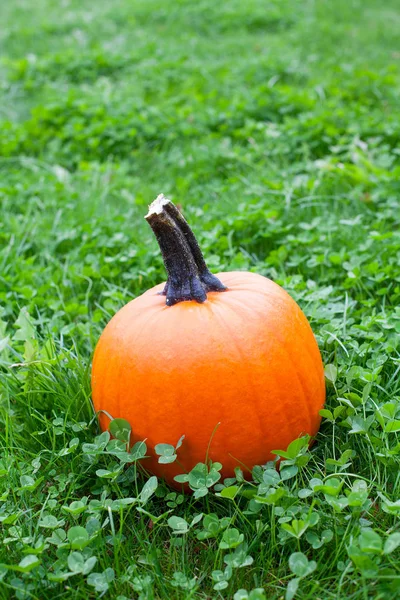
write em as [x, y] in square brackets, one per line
[275, 125]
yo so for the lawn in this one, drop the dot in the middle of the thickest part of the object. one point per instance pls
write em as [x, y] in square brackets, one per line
[275, 125]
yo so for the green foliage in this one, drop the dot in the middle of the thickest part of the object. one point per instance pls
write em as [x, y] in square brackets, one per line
[275, 126]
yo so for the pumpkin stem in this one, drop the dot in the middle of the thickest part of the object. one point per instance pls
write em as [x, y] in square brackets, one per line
[188, 275]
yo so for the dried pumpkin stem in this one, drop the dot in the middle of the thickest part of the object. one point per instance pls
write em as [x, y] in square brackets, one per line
[212, 283]
[188, 275]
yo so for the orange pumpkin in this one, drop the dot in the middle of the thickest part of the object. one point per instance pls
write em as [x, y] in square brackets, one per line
[229, 361]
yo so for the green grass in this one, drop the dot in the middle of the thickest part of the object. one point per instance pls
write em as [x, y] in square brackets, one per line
[275, 125]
